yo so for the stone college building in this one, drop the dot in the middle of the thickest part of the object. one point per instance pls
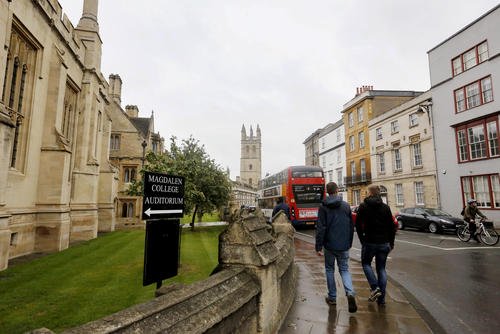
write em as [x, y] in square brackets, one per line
[67, 148]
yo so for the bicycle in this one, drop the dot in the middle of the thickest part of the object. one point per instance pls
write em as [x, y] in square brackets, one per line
[487, 234]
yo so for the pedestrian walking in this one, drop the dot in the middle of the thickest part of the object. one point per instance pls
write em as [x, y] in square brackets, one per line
[376, 232]
[281, 206]
[334, 234]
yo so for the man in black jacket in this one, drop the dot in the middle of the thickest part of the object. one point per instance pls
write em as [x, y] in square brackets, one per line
[281, 206]
[376, 232]
[334, 234]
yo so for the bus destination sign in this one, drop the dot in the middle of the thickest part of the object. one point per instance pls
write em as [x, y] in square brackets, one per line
[163, 196]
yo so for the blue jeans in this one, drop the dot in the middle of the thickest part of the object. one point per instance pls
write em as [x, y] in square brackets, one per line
[380, 252]
[342, 258]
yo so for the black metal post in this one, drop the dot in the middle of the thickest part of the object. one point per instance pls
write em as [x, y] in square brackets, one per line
[144, 144]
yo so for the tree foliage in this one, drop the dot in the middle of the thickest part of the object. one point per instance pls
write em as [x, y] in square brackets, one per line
[207, 186]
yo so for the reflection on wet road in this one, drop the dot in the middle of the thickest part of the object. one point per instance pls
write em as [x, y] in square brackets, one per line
[458, 283]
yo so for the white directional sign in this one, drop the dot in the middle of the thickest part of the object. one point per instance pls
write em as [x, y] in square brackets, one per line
[163, 196]
[150, 212]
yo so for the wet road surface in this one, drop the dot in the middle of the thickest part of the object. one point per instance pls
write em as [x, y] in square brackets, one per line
[311, 314]
[457, 283]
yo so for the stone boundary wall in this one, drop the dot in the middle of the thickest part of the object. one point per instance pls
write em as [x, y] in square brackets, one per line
[222, 303]
[251, 293]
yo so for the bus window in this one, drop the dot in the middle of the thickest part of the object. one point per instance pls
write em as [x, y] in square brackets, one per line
[307, 193]
[301, 174]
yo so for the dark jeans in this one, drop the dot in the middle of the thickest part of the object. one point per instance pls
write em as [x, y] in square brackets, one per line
[472, 229]
[380, 253]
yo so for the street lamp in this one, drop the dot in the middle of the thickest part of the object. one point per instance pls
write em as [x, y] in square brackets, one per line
[143, 144]
[425, 108]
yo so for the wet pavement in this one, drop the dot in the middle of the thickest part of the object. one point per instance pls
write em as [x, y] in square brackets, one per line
[311, 314]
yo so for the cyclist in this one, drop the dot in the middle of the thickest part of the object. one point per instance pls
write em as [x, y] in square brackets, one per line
[470, 212]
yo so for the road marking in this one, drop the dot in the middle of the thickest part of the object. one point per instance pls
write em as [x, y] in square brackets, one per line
[443, 238]
[447, 249]
[417, 244]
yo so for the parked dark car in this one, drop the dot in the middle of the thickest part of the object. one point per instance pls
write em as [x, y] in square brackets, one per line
[427, 219]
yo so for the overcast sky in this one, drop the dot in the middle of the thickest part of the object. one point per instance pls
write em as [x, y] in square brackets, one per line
[208, 66]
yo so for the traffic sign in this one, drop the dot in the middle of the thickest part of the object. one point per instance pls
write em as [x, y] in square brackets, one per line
[163, 196]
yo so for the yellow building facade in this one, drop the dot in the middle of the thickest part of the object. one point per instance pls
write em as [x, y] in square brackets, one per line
[356, 114]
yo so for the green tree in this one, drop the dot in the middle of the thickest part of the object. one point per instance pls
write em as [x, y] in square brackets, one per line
[207, 186]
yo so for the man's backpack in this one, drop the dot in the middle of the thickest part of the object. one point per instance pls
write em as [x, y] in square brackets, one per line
[463, 211]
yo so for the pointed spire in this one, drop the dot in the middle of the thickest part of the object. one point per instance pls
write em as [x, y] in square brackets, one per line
[152, 114]
[88, 21]
[258, 131]
[251, 132]
[243, 132]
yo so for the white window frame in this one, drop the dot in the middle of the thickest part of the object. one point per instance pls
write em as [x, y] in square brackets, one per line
[477, 142]
[356, 197]
[398, 163]
[394, 127]
[486, 90]
[381, 162]
[361, 139]
[493, 140]
[398, 192]
[419, 193]
[416, 150]
[413, 120]
[362, 169]
[469, 59]
[378, 133]
[351, 143]
[481, 190]
[361, 112]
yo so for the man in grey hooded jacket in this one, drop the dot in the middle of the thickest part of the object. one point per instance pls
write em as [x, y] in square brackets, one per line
[334, 234]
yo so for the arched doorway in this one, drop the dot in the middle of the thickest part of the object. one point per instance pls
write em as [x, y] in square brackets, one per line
[383, 194]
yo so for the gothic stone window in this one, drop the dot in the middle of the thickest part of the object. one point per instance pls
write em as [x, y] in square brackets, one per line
[69, 112]
[127, 209]
[129, 174]
[115, 141]
[17, 89]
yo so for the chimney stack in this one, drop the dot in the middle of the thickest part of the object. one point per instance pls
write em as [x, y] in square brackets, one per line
[132, 111]
[362, 89]
[115, 87]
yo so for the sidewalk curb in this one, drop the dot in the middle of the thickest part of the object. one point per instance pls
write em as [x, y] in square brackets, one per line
[435, 327]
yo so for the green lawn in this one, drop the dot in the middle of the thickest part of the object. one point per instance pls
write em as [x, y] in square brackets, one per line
[93, 279]
[207, 217]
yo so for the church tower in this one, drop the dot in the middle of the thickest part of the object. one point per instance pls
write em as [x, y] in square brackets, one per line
[251, 161]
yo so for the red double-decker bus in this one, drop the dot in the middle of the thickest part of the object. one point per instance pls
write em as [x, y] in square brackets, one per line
[303, 189]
